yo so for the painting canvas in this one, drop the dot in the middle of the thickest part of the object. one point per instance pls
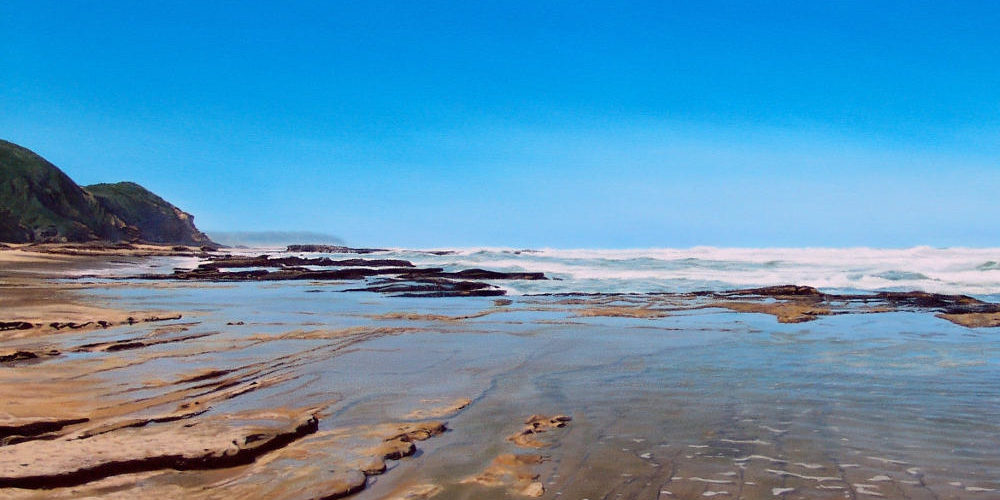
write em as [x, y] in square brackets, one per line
[499, 250]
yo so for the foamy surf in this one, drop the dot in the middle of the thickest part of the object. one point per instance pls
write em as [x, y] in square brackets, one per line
[972, 271]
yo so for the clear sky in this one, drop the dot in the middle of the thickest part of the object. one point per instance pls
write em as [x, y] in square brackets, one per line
[562, 124]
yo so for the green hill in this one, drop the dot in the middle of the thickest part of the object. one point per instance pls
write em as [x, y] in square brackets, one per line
[40, 203]
[157, 220]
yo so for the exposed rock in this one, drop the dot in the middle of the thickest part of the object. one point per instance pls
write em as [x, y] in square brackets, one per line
[419, 431]
[514, 472]
[206, 444]
[207, 374]
[445, 409]
[126, 344]
[17, 356]
[331, 464]
[331, 249]
[624, 312]
[55, 326]
[409, 316]
[787, 303]
[24, 355]
[973, 320]
[482, 274]
[786, 312]
[416, 492]
[15, 325]
[527, 437]
[925, 300]
[35, 427]
[397, 277]
[779, 291]
[432, 287]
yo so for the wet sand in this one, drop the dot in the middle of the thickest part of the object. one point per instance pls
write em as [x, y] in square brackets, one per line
[297, 390]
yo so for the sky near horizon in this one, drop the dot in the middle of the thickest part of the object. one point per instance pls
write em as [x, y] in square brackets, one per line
[558, 124]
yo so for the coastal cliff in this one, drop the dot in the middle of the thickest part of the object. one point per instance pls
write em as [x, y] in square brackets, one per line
[40, 203]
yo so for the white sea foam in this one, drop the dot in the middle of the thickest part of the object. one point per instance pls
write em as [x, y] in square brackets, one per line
[973, 271]
[710, 481]
[802, 476]
[746, 441]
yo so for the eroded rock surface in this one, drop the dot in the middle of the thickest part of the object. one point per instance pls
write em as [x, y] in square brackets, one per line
[518, 472]
[515, 472]
[389, 276]
[787, 303]
[528, 437]
[205, 444]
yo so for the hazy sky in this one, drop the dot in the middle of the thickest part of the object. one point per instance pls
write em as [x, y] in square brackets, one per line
[564, 124]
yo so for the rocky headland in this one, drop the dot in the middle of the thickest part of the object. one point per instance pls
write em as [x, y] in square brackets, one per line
[40, 203]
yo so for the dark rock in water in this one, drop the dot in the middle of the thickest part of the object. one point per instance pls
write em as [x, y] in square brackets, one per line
[981, 308]
[265, 261]
[17, 356]
[432, 287]
[780, 290]
[482, 274]
[391, 276]
[927, 300]
[37, 426]
[15, 325]
[332, 249]
[40, 203]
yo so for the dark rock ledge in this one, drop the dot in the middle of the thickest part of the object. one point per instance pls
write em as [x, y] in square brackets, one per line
[389, 276]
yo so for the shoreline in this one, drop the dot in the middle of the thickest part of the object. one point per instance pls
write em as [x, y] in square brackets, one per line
[229, 371]
[35, 304]
[74, 430]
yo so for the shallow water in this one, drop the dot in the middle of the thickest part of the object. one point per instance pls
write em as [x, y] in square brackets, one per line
[700, 404]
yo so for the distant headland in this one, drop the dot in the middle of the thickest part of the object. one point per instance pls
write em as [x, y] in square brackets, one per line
[41, 204]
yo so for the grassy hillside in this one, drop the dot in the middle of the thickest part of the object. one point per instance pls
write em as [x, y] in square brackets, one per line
[38, 202]
[157, 220]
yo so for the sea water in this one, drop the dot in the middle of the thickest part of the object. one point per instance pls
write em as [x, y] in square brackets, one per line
[699, 404]
[973, 271]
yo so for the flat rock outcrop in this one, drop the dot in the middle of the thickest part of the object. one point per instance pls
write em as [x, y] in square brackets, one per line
[205, 444]
[389, 276]
[787, 303]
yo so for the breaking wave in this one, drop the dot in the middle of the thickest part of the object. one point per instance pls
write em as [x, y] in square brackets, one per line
[937, 270]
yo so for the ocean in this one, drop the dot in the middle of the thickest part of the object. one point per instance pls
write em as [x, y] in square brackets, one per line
[972, 271]
[693, 403]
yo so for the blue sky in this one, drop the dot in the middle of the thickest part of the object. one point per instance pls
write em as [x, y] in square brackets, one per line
[563, 124]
